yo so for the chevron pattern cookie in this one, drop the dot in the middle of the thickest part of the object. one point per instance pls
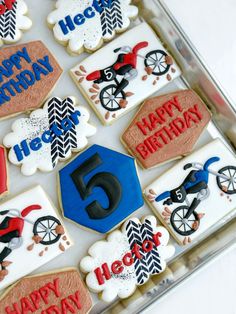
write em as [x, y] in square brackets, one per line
[13, 20]
[127, 258]
[49, 135]
[85, 25]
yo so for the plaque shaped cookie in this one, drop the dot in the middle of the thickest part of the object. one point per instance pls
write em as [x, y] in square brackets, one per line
[121, 75]
[85, 25]
[166, 128]
[3, 172]
[100, 188]
[57, 292]
[30, 231]
[127, 258]
[196, 193]
[49, 135]
[13, 20]
[28, 73]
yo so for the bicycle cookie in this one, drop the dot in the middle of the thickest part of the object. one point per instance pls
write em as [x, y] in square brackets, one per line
[95, 190]
[56, 292]
[49, 135]
[121, 75]
[3, 172]
[127, 258]
[13, 20]
[30, 229]
[206, 193]
[166, 128]
[28, 73]
[84, 25]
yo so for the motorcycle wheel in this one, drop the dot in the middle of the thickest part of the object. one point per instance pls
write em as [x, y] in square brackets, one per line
[228, 186]
[156, 61]
[176, 219]
[45, 228]
[108, 101]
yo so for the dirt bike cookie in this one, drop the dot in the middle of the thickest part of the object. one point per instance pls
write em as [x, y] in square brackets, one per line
[85, 25]
[13, 20]
[28, 73]
[54, 292]
[3, 172]
[201, 195]
[166, 128]
[127, 258]
[49, 135]
[121, 75]
[95, 190]
[30, 229]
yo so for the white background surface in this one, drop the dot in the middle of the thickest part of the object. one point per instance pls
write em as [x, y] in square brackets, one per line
[211, 25]
[213, 291]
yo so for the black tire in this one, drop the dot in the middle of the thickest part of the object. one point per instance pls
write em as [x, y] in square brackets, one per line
[225, 185]
[111, 104]
[177, 224]
[47, 222]
[154, 56]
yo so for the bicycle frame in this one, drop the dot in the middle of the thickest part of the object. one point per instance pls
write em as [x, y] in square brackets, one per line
[199, 166]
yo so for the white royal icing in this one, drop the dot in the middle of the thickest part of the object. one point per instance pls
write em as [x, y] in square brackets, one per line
[60, 148]
[13, 22]
[215, 202]
[27, 255]
[140, 87]
[82, 24]
[117, 245]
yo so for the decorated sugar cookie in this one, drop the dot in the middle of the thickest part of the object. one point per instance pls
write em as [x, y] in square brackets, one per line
[3, 172]
[127, 258]
[121, 75]
[202, 193]
[100, 188]
[86, 24]
[166, 128]
[30, 230]
[28, 73]
[13, 20]
[56, 292]
[49, 135]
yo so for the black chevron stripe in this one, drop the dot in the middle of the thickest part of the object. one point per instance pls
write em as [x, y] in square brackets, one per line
[117, 19]
[134, 236]
[106, 20]
[8, 22]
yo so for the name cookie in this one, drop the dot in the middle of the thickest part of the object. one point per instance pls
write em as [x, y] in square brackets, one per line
[202, 194]
[95, 190]
[3, 172]
[85, 25]
[49, 135]
[28, 72]
[59, 292]
[13, 20]
[121, 75]
[30, 230]
[127, 258]
[166, 128]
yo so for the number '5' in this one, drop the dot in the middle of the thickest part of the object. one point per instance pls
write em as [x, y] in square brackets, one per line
[105, 180]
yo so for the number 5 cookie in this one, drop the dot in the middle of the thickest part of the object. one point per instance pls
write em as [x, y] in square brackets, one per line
[85, 25]
[121, 75]
[127, 259]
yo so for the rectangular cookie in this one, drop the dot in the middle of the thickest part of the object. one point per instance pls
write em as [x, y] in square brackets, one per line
[121, 75]
[196, 193]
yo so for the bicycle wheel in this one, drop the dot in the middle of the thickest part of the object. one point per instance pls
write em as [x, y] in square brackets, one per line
[227, 185]
[108, 100]
[156, 61]
[45, 227]
[182, 225]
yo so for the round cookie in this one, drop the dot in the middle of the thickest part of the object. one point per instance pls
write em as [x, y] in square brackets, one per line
[49, 135]
[127, 258]
[84, 25]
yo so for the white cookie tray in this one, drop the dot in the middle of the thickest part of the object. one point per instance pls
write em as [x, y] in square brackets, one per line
[196, 76]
